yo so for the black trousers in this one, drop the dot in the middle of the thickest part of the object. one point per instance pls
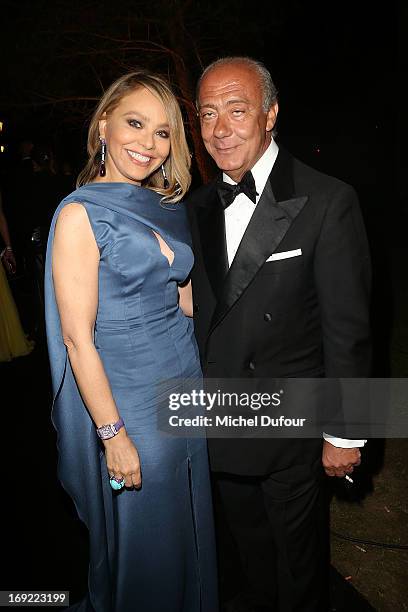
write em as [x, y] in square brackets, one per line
[273, 540]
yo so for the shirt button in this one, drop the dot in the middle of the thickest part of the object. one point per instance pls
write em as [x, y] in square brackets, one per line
[267, 317]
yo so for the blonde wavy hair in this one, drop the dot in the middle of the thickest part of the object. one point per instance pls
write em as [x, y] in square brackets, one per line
[177, 165]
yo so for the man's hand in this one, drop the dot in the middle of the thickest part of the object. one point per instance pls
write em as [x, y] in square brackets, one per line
[339, 461]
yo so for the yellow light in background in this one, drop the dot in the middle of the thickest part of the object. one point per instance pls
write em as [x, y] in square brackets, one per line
[2, 148]
[1, 126]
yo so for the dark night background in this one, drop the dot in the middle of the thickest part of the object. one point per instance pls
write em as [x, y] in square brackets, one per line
[340, 69]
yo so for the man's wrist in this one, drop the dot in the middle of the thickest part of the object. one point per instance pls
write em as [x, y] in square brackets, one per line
[343, 442]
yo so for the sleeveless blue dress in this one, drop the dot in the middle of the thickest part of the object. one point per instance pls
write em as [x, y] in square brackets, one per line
[150, 550]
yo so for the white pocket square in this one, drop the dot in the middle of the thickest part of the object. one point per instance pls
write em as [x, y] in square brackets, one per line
[285, 255]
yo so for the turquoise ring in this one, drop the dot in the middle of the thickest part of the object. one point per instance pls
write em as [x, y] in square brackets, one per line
[116, 484]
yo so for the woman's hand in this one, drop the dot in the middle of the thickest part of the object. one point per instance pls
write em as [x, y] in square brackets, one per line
[9, 260]
[122, 459]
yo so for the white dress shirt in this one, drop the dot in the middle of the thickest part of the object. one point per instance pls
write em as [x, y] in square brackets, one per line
[239, 213]
[237, 217]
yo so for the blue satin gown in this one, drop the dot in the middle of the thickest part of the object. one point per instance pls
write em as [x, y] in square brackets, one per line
[150, 550]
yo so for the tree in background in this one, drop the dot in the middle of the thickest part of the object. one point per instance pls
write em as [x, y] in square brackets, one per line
[61, 55]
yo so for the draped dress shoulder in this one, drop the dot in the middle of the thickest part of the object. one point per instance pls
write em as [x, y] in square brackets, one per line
[150, 550]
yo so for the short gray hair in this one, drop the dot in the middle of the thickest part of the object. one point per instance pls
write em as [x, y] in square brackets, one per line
[270, 93]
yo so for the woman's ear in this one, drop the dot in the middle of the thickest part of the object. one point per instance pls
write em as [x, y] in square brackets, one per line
[102, 126]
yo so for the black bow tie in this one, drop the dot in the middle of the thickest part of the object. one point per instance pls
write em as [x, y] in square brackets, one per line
[228, 192]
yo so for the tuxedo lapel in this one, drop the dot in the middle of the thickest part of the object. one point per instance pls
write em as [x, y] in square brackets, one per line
[212, 235]
[268, 225]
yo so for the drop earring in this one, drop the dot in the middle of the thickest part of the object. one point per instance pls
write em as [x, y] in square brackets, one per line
[102, 167]
[165, 179]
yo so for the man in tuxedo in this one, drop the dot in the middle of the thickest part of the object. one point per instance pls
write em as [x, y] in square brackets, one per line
[281, 287]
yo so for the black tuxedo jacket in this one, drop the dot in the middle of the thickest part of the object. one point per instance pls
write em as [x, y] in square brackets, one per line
[304, 316]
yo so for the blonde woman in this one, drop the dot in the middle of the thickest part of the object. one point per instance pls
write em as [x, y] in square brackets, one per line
[118, 311]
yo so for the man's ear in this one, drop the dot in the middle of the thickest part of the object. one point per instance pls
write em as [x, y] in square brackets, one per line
[102, 126]
[271, 117]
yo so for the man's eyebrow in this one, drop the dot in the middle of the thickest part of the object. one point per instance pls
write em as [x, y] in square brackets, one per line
[207, 105]
[238, 101]
[229, 102]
